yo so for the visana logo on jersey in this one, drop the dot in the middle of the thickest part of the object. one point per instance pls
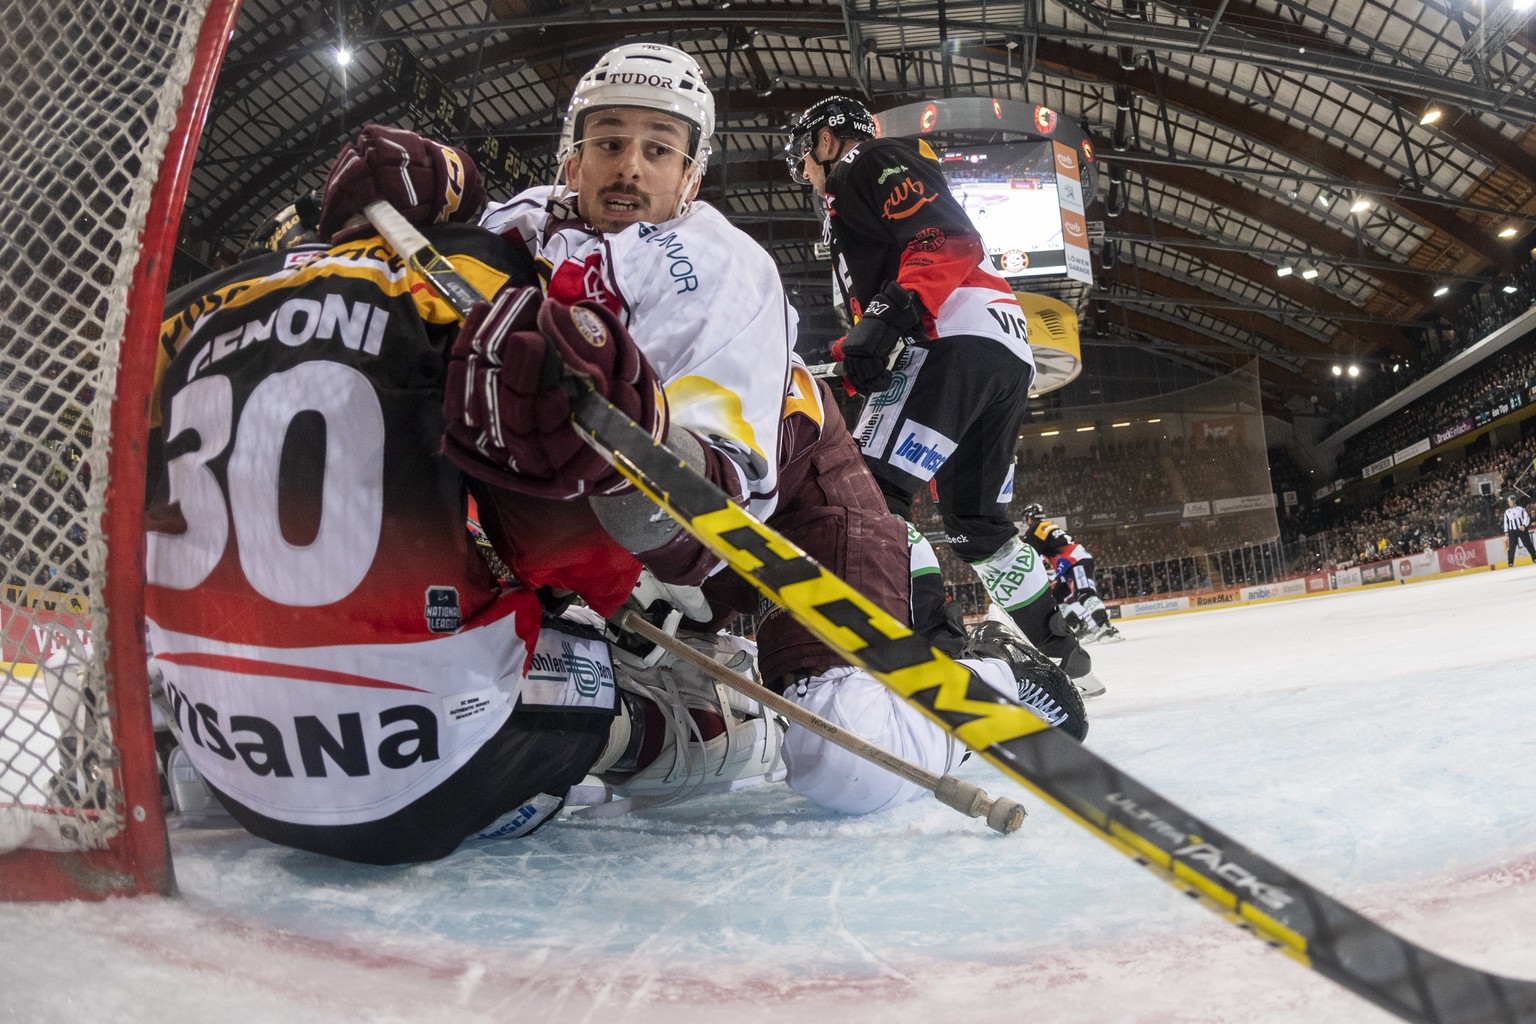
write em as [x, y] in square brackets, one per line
[359, 326]
[1010, 322]
[309, 745]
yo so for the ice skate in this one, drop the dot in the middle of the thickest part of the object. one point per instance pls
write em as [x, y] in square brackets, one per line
[1043, 687]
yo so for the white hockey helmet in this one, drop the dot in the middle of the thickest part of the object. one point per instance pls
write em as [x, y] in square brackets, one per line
[651, 76]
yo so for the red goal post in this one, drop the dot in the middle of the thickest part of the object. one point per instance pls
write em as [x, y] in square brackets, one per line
[104, 106]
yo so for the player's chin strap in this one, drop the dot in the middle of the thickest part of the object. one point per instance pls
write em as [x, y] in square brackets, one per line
[1307, 924]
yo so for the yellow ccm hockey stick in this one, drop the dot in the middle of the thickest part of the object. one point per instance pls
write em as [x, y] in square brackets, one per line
[1306, 924]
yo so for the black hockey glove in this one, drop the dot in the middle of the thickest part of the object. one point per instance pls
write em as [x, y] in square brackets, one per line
[890, 316]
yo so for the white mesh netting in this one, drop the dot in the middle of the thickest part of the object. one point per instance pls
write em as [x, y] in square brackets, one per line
[87, 106]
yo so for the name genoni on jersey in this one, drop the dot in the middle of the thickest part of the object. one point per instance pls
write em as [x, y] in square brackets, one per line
[360, 326]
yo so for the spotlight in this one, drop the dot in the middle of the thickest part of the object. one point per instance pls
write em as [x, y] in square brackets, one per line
[1309, 273]
[1359, 206]
[1508, 233]
[1510, 289]
[1442, 290]
[1284, 270]
[1338, 371]
[1431, 115]
[343, 56]
[1354, 371]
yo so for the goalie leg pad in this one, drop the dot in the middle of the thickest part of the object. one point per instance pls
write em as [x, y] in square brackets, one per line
[695, 734]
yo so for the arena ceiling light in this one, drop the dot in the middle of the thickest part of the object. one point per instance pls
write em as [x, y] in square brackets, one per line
[1309, 273]
[1508, 232]
[1443, 289]
[1354, 371]
[1049, 433]
[1510, 289]
[1284, 270]
[1084, 430]
[1431, 115]
[1338, 371]
[343, 56]
[1360, 205]
[1122, 423]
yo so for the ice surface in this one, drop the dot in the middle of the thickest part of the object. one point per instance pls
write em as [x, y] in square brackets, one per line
[1380, 744]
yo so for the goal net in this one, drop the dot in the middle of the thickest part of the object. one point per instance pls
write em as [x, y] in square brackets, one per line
[102, 105]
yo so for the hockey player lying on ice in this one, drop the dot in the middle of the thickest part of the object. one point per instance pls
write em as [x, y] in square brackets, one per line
[345, 672]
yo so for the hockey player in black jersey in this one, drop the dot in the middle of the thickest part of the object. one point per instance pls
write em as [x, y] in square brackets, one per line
[939, 345]
[1073, 568]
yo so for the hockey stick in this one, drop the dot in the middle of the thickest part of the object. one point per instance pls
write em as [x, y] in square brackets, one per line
[827, 370]
[1002, 814]
[1301, 921]
[1516, 485]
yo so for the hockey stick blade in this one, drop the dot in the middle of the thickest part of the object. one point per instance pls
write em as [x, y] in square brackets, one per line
[1301, 921]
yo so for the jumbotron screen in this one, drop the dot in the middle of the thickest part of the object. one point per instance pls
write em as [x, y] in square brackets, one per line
[1011, 196]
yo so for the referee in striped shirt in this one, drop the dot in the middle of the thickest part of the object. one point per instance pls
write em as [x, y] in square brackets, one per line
[1517, 524]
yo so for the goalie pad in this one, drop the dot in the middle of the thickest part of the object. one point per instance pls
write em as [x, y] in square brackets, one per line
[698, 736]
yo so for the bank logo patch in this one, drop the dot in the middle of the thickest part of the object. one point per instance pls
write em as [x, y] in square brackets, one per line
[921, 450]
[569, 671]
[883, 411]
[1005, 495]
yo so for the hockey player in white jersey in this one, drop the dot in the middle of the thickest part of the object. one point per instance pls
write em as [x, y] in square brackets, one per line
[683, 317]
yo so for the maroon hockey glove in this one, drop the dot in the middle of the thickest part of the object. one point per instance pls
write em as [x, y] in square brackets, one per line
[890, 316]
[427, 182]
[506, 404]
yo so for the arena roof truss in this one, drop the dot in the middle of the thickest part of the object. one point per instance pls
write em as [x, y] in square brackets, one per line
[1235, 137]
